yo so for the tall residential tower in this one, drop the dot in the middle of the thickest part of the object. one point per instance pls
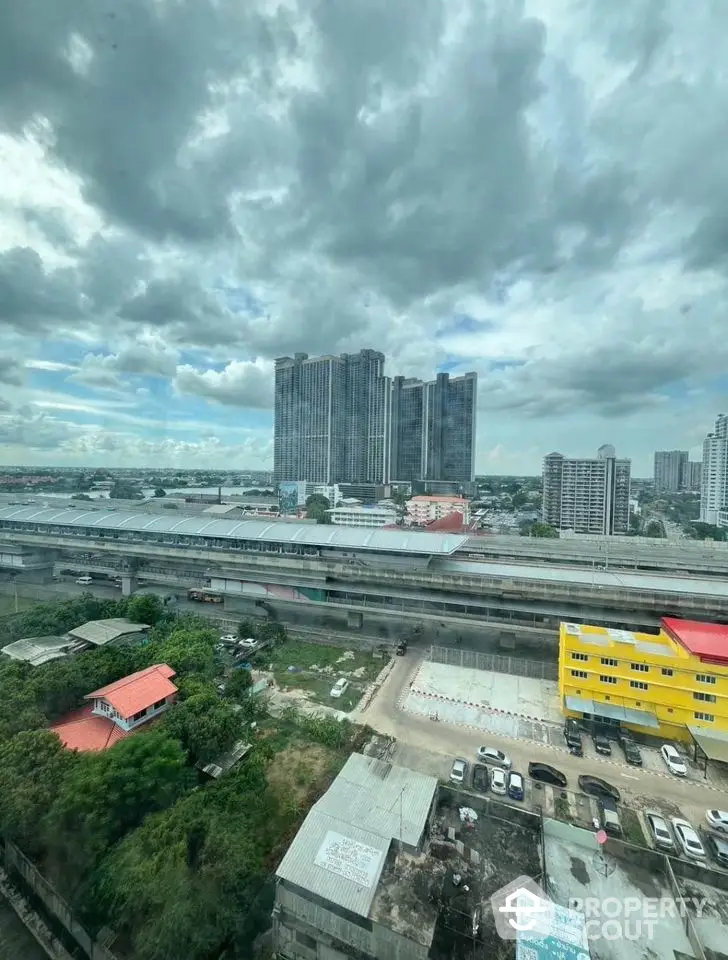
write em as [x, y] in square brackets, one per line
[587, 496]
[672, 473]
[714, 476]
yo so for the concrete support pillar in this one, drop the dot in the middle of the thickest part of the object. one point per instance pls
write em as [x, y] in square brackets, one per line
[129, 583]
[354, 619]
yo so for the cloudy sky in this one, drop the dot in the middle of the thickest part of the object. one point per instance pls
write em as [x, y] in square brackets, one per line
[536, 190]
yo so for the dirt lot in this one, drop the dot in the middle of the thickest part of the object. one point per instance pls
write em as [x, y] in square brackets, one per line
[314, 668]
[298, 768]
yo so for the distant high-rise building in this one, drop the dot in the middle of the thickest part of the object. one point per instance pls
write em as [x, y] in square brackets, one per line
[587, 495]
[694, 472]
[714, 473]
[433, 428]
[671, 471]
[331, 419]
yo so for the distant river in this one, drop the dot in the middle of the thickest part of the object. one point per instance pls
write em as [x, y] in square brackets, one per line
[15, 941]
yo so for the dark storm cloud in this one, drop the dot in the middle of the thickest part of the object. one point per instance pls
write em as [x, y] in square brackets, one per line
[121, 120]
[30, 297]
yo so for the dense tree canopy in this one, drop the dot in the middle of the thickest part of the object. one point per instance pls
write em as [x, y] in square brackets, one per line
[137, 838]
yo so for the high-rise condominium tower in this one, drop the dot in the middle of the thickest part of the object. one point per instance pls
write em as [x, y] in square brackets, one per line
[433, 428]
[714, 475]
[671, 471]
[331, 418]
[340, 420]
[589, 495]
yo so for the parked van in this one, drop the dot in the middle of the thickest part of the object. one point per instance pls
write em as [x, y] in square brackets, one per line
[610, 817]
[85, 581]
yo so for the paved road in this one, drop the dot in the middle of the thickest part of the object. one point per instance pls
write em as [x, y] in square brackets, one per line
[416, 733]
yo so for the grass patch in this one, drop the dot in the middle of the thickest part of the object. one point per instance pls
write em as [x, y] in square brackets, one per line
[318, 669]
[7, 605]
[297, 770]
[631, 827]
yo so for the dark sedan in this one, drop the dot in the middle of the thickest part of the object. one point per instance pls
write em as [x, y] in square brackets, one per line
[596, 787]
[546, 774]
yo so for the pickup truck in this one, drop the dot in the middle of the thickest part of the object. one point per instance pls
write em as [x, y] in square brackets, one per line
[481, 778]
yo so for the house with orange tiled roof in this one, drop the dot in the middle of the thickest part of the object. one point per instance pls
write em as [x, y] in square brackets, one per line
[117, 710]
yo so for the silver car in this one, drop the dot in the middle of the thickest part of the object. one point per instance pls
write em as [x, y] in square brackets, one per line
[660, 831]
[459, 771]
[496, 758]
[688, 839]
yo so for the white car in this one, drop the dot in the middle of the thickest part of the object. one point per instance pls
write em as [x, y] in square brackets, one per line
[247, 643]
[85, 581]
[718, 819]
[673, 761]
[660, 831]
[339, 688]
[229, 639]
[494, 757]
[498, 781]
[688, 839]
[458, 771]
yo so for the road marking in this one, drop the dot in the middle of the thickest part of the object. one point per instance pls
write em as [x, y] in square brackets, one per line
[627, 776]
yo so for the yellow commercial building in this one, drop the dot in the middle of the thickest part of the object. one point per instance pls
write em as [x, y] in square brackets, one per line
[673, 685]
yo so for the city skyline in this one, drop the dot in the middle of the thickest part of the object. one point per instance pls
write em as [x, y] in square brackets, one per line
[154, 262]
[343, 420]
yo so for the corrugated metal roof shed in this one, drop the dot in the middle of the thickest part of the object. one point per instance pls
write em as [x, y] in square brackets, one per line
[342, 845]
[381, 797]
[299, 865]
[270, 531]
[37, 650]
[100, 632]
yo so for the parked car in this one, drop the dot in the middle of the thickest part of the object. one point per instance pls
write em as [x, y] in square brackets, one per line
[631, 751]
[546, 774]
[602, 744]
[718, 820]
[596, 787]
[459, 771]
[339, 688]
[716, 846]
[687, 839]
[481, 778]
[247, 643]
[494, 757]
[572, 736]
[84, 581]
[660, 831]
[673, 761]
[498, 781]
[609, 816]
[229, 640]
[401, 648]
[515, 786]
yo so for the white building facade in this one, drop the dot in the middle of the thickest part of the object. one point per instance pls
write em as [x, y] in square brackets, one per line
[424, 509]
[357, 515]
[714, 475]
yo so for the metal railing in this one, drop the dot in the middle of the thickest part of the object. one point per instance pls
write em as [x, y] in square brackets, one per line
[497, 663]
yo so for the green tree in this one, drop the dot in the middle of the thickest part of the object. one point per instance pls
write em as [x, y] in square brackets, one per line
[543, 530]
[106, 795]
[33, 769]
[238, 684]
[188, 651]
[18, 705]
[145, 608]
[317, 507]
[124, 490]
[160, 492]
[205, 725]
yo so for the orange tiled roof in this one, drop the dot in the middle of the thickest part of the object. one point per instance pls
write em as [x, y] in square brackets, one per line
[137, 691]
[85, 732]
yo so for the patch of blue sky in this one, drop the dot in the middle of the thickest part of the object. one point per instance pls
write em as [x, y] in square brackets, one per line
[241, 300]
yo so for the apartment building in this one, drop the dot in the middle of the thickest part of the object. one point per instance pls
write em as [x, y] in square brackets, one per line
[363, 515]
[331, 419]
[672, 685]
[671, 472]
[433, 428]
[587, 495]
[714, 475]
[423, 510]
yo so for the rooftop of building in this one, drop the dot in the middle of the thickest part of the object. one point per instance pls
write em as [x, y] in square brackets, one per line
[87, 733]
[101, 632]
[342, 847]
[629, 640]
[138, 691]
[437, 498]
[38, 650]
[275, 531]
[408, 894]
[707, 641]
